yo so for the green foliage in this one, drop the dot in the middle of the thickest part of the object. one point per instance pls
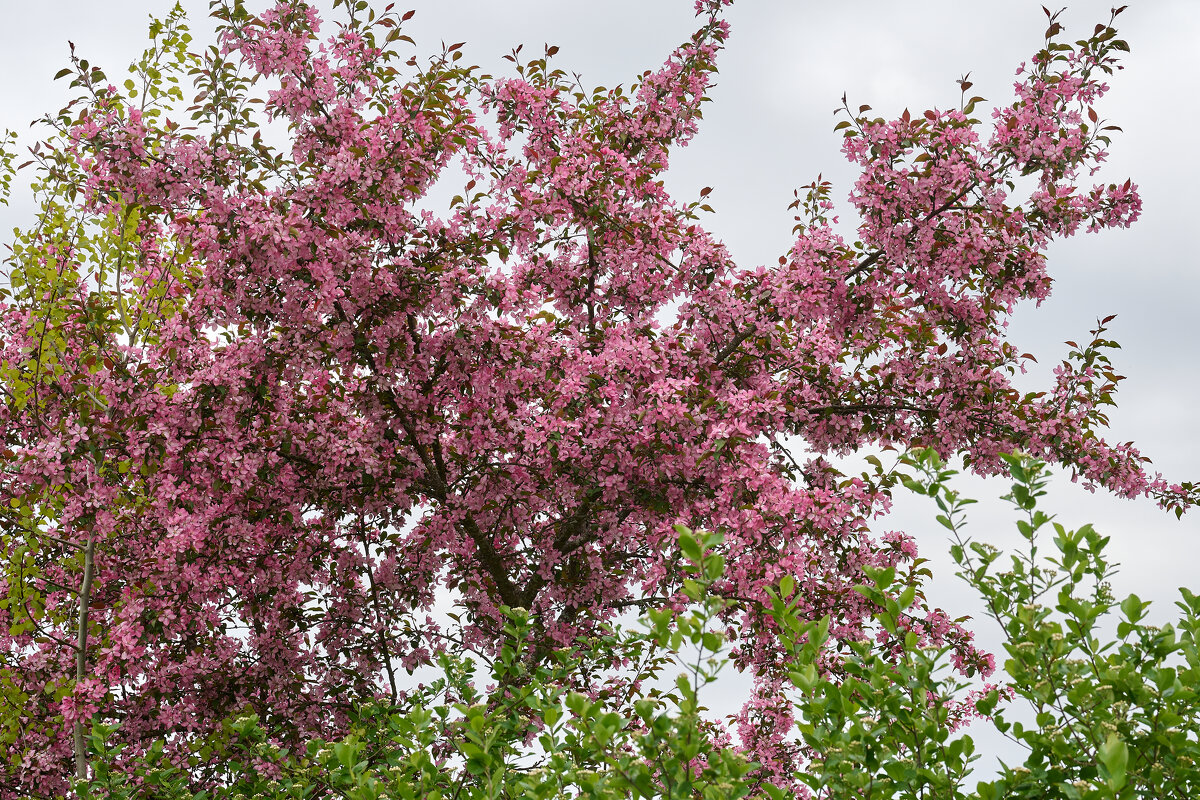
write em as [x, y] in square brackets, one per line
[881, 723]
[1114, 719]
[7, 153]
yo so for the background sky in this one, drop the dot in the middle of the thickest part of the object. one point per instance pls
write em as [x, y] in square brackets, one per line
[769, 131]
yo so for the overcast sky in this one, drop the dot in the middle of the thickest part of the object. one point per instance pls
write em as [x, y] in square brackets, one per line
[769, 130]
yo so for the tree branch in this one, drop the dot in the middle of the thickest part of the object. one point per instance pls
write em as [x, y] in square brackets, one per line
[85, 593]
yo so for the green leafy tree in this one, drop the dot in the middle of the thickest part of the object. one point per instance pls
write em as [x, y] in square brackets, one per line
[1113, 718]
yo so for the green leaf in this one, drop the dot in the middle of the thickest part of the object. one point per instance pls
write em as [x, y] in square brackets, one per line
[690, 547]
[987, 704]
[1133, 607]
[1114, 755]
[805, 677]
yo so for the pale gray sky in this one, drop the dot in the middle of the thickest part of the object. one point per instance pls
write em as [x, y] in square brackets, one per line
[769, 130]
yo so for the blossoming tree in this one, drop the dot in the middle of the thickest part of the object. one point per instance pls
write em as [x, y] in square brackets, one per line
[261, 404]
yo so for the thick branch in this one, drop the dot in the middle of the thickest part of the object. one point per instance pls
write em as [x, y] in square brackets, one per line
[85, 594]
[437, 485]
[726, 351]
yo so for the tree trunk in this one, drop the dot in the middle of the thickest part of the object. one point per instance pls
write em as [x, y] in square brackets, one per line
[85, 592]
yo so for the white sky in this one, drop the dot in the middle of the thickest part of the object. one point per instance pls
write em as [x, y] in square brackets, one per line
[769, 130]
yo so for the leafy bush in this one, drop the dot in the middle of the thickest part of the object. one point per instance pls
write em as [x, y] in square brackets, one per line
[1114, 718]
